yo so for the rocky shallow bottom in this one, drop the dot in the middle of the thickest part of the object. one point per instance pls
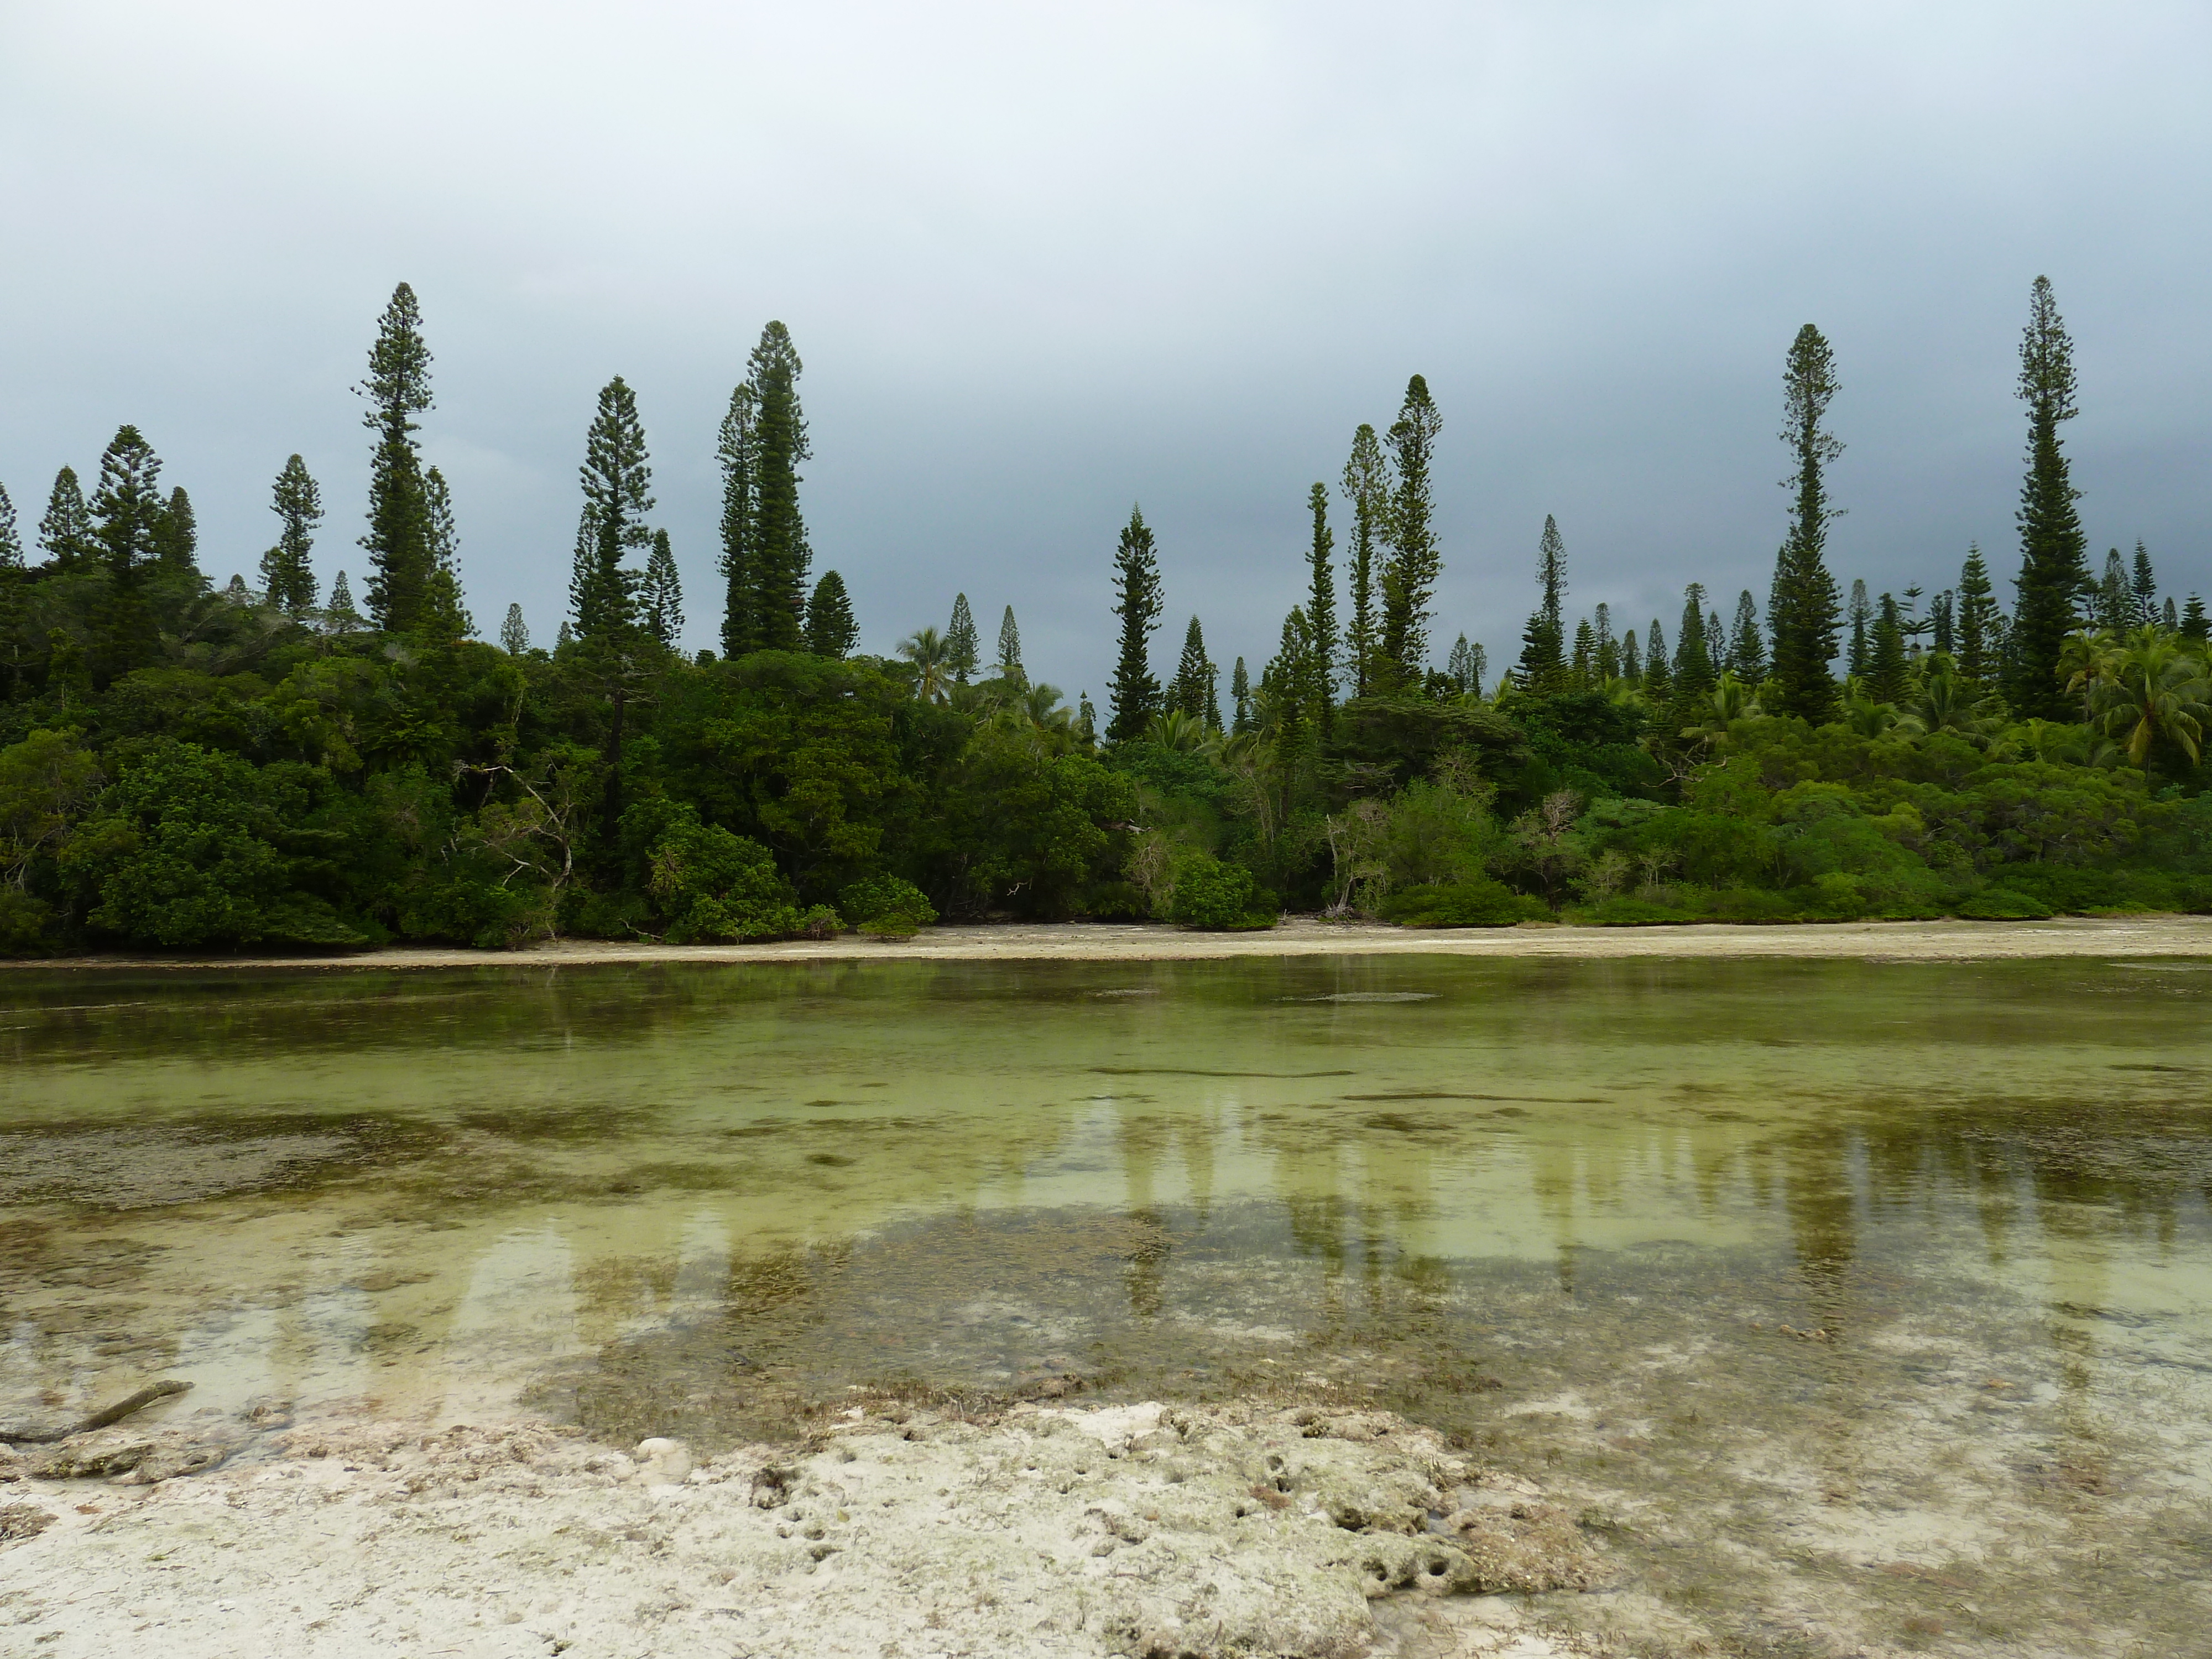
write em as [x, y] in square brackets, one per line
[1137, 1529]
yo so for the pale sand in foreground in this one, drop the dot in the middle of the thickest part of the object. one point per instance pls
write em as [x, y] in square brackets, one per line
[1304, 936]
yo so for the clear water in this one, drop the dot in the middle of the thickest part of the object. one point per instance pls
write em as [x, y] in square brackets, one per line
[1852, 1300]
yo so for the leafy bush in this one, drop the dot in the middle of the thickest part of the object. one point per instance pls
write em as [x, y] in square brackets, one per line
[1477, 902]
[1217, 896]
[714, 885]
[886, 904]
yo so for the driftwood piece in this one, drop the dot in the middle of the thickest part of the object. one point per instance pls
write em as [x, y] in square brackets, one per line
[100, 1419]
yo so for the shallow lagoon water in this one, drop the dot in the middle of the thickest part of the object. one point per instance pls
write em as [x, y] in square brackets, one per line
[1846, 1296]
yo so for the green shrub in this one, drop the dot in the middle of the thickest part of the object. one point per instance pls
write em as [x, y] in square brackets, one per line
[886, 904]
[1217, 896]
[714, 885]
[1478, 902]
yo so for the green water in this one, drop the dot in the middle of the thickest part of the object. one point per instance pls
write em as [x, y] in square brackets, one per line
[1810, 1279]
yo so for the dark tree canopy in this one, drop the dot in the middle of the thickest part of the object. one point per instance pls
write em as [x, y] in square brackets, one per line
[1135, 692]
[2054, 570]
[1801, 609]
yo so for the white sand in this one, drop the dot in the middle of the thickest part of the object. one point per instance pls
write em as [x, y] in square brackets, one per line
[1883, 941]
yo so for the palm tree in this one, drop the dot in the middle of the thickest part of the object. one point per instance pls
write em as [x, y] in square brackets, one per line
[931, 656]
[1730, 700]
[2144, 690]
[1178, 731]
[1946, 702]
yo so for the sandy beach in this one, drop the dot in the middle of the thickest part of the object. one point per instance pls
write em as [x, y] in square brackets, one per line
[1302, 936]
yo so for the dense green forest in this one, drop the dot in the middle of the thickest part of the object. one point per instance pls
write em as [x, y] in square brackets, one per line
[189, 766]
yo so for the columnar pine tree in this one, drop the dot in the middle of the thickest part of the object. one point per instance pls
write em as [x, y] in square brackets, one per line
[662, 593]
[1240, 691]
[1138, 602]
[514, 633]
[1463, 667]
[1086, 721]
[1801, 611]
[177, 538]
[11, 540]
[1943, 623]
[1632, 658]
[286, 571]
[65, 531]
[961, 648]
[1658, 681]
[734, 451]
[2053, 567]
[1367, 488]
[830, 629]
[2143, 584]
[1010, 650]
[779, 555]
[1694, 675]
[1409, 575]
[1977, 612]
[1187, 691]
[126, 507]
[1320, 604]
[1584, 661]
[1607, 664]
[2114, 604]
[399, 539]
[1543, 647]
[2195, 625]
[1747, 650]
[1285, 683]
[1886, 666]
[2167, 618]
[1858, 618]
[339, 616]
[444, 616]
[617, 481]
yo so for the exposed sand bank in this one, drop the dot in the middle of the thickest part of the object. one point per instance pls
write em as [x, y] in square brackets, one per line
[1133, 1530]
[1874, 941]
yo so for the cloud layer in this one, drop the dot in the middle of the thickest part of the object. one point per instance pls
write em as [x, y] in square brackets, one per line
[1042, 262]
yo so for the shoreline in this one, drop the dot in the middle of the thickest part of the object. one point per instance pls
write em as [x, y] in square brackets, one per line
[1302, 936]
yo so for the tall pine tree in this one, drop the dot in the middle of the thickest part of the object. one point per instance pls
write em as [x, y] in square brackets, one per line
[1010, 650]
[1192, 689]
[1240, 691]
[1543, 641]
[962, 648]
[1801, 611]
[286, 570]
[1138, 602]
[1694, 675]
[445, 617]
[177, 539]
[399, 539]
[1321, 602]
[2143, 585]
[514, 633]
[734, 451]
[662, 593]
[1366, 487]
[1747, 655]
[1978, 616]
[1416, 560]
[65, 532]
[2115, 605]
[339, 616]
[1886, 664]
[1658, 681]
[779, 555]
[2054, 572]
[830, 629]
[617, 481]
[126, 509]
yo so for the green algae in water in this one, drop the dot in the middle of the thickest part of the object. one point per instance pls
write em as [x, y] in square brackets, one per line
[1868, 1301]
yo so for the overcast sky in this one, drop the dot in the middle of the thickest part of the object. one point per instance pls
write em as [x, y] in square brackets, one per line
[1045, 261]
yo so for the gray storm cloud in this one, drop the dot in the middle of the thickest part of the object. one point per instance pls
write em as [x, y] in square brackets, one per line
[1043, 262]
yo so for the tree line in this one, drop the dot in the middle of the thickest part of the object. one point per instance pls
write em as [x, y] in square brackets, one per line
[188, 766]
